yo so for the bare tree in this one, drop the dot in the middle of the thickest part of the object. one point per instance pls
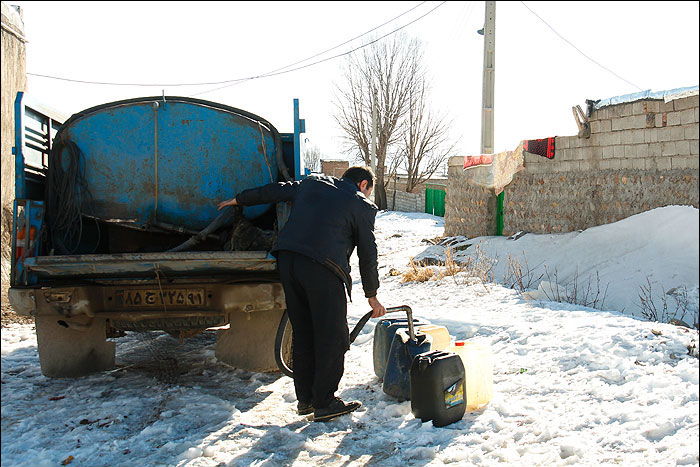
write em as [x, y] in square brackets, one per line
[425, 140]
[390, 68]
[312, 158]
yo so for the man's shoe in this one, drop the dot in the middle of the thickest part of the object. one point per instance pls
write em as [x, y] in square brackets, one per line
[304, 408]
[335, 409]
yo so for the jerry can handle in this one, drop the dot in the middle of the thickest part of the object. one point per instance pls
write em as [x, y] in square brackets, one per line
[409, 316]
[360, 324]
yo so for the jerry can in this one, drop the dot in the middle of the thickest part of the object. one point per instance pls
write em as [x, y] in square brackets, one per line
[383, 337]
[404, 347]
[478, 369]
[438, 388]
[440, 335]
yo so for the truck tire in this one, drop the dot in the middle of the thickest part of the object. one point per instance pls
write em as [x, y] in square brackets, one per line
[283, 346]
[68, 349]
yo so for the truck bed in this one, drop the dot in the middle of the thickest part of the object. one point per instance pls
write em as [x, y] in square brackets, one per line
[138, 264]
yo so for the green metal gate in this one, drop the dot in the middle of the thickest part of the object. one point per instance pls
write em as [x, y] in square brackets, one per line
[435, 199]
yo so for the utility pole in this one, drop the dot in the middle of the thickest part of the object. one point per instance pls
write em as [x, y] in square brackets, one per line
[489, 32]
[487, 104]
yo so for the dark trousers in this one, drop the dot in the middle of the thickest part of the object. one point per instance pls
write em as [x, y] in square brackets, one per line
[318, 312]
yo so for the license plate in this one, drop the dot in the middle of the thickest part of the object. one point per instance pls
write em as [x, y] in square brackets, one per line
[156, 298]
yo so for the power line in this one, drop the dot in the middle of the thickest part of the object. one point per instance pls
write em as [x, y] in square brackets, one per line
[579, 50]
[325, 59]
[105, 83]
[349, 40]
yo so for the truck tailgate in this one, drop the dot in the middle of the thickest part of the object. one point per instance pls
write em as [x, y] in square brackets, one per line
[136, 264]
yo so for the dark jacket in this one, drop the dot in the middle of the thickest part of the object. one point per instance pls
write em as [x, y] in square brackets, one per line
[329, 218]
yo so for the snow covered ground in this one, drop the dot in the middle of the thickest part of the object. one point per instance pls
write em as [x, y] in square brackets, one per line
[572, 384]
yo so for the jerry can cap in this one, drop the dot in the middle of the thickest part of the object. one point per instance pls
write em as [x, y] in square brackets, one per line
[459, 343]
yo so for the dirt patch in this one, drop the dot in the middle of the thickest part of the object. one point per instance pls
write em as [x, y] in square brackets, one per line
[10, 317]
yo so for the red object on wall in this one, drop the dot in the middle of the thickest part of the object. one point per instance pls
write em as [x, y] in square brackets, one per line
[542, 147]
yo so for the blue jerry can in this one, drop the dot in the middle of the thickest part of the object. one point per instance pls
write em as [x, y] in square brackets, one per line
[397, 377]
[383, 336]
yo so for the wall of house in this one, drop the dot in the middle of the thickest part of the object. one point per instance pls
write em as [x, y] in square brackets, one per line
[639, 156]
[14, 79]
[334, 168]
[401, 182]
[397, 198]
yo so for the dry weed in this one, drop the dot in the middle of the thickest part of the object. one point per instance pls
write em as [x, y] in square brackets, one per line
[518, 276]
[417, 273]
[576, 292]
[451, 267]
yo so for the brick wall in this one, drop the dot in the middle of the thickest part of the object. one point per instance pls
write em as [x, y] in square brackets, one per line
[639, 156]
[334, 168]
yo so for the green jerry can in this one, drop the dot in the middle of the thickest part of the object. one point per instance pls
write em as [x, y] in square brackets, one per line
[438, 387]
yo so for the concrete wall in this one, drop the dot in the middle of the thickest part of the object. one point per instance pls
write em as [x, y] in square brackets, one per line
[401, 182]
[404, 201]
[14, 79]
[639, 156]
[409, 202]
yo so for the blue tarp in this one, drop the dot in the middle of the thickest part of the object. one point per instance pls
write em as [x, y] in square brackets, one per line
[669, 95]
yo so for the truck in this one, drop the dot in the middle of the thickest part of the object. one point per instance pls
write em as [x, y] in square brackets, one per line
[116, 229]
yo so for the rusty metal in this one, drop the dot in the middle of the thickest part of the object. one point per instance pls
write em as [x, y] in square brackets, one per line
[140, 264]
[104, 301]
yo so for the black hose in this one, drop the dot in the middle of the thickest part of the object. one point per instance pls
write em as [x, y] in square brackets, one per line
[287, 367]
[284, 366]
[361, 323]
[65, 181]
[227, 214]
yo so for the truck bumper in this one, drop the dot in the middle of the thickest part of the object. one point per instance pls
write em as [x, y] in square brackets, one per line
[148, 302]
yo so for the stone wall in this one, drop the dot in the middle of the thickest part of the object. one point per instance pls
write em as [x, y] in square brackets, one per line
[640, 155]
[14, 79]
[469, 210]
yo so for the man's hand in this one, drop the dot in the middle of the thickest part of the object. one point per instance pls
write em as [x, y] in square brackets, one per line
[228, 202]
[378, 309]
